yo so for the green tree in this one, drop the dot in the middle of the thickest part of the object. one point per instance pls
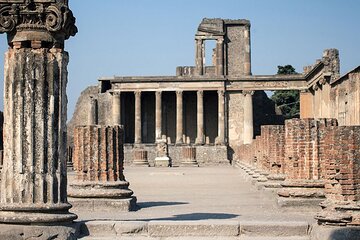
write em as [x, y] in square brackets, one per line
[287, 100]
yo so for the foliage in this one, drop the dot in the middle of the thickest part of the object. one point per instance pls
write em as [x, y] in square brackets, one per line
[287, 100]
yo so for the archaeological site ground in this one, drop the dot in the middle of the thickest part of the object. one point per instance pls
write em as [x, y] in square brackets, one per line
[203, 154]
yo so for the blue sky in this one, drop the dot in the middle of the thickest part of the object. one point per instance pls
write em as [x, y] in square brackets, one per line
[152, 37]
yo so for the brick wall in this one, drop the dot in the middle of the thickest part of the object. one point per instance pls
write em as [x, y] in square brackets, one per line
[304, 148]
[342, 168]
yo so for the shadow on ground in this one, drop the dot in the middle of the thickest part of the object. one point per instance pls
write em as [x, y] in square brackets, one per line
[158, 204]
[195, 217]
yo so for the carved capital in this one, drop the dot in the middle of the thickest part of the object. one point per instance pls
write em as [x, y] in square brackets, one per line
[322, 81]
[315, 87]
[248, 92]
[49, 21]
[158, 93]
[116, 94]
[137, 94]
[200, 93]
[179, 93]
[221, 93]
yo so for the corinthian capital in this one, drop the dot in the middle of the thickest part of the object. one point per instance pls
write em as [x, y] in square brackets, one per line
[48, 21]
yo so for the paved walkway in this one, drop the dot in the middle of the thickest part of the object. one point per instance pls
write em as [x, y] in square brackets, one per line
[206, 193]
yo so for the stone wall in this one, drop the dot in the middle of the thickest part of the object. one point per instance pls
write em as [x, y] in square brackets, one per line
[317, 152]
[207, 155]
[235, 50]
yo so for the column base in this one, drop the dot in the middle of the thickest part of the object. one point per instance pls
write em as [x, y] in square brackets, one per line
[141, 163]
[299, 193]
[339, 213]
[187, 163]
[33, 214]
[219, 141]
[40, 232]
[199, 141]
[104, 204]
[89, 189]
[162, 162]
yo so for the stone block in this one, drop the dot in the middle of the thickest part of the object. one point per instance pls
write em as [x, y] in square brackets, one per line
[191, 228]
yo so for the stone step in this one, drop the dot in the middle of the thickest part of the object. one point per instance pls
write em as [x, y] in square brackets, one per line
[194, 238]
[206, 228]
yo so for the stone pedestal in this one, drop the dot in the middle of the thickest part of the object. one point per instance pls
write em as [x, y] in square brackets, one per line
[141, 157]
[189, 157]
[162, 155]
[300, 193]
[98, 163]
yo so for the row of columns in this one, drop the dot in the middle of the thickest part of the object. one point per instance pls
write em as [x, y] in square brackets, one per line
[200, 139]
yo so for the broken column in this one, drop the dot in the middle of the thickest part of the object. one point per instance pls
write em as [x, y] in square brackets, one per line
[99, 164]
[33, 187]
[304, 162]
[342, 174]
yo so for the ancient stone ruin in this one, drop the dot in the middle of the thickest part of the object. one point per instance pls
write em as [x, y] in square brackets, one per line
[33, 179]
[204, 115]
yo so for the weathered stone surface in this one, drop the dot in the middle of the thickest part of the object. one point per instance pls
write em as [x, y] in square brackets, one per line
[140, 157]
[162, 155]
[189, 156]
[34, 173]
[191, 228]
[98, 163]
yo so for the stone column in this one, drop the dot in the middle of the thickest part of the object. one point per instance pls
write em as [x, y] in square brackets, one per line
[199, 59]
[138, 117]
[200, 118]
[93, 111]
[158, 115]
[220, 56]
[247, 57]
[179, 117]
[220, 140]
[34, 181]
[99, 165]
[248, 117]
[116, 108]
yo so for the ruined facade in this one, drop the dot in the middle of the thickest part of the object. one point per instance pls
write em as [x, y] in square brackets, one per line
[214, 108]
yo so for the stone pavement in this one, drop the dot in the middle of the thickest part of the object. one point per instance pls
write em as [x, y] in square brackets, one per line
[175, 203]
[206, 193]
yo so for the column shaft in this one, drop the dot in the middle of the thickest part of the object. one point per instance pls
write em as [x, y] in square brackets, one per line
[221, 118]
[93, 112]
[248, 117]
[33, 182]
[247, 62]
[179, 117]
[199, 57]
[138, 117]
[200, 117]
[158, 115]
[116, 108]
[220, 57]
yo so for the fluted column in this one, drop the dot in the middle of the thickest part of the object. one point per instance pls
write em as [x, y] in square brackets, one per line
[158, 115]
[179, 117]
[116, 108]
[138, 117]
[93, 111]
[248, 117]
[33, 188]
[200, 117]
[199, 59]
[220, 140]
